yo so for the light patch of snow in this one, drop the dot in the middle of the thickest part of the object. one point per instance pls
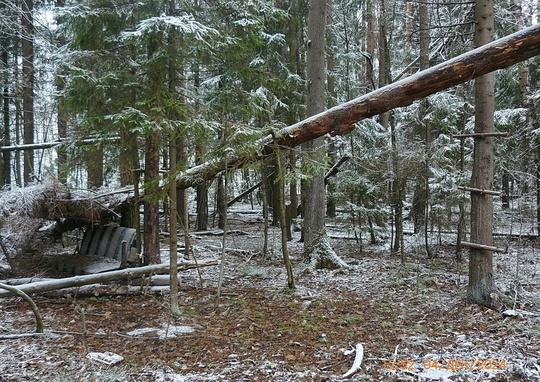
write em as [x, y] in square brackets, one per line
[141, 331]
[442, 375]
[167, 331]
[107, 358]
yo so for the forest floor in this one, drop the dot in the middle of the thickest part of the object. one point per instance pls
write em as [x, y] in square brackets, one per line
[411, 319]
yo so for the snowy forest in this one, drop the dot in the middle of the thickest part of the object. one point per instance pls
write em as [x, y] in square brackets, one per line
[292, 190]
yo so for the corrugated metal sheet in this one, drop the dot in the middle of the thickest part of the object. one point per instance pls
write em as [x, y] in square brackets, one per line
[106, 241]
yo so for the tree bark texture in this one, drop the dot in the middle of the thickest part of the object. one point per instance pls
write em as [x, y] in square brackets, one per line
[173, 238]
[5, 166]
[481, 283]
[314, 188]
[151, 210]
[27, 46]
[420, 203]
[341, 119]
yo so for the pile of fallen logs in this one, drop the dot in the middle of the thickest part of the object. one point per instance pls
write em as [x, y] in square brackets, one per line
[128, 276]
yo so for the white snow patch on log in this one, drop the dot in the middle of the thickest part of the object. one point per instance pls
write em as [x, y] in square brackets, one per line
[107, 358]
[170, 331]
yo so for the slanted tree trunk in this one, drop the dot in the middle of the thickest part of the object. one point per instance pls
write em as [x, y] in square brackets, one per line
[481, 283]
[341, 119]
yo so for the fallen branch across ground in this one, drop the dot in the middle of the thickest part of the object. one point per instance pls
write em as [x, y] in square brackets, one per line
[123, 274]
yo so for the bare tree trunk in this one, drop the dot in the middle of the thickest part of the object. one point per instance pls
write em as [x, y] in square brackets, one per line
[129, 175]
[19, 177]
[61, 165]
[313, 190]
[331, 85]
[94, 164]
[27, 45]
[264, 183]
[273, 191]
[151, 210]
[201, 193]
[370, 44]
[182, 207]
[505, 197]
[221, 203]
[481, 284]
[317, 250]
[396, 193]
[420, 203]
[282, 221]
[5, 165]
[173, 238]
[461, 223]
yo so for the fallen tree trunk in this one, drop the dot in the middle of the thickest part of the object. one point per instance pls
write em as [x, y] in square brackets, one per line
[123, 274]
[340, 120]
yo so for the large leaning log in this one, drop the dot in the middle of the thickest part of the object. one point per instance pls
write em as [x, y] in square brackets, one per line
[341, 119]
[122, 274]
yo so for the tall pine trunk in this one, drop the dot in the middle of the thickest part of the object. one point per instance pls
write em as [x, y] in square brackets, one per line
[151, 209]
[317, 250]
[5, 165]
[313, 190]
[481, 283]
[27, 46]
